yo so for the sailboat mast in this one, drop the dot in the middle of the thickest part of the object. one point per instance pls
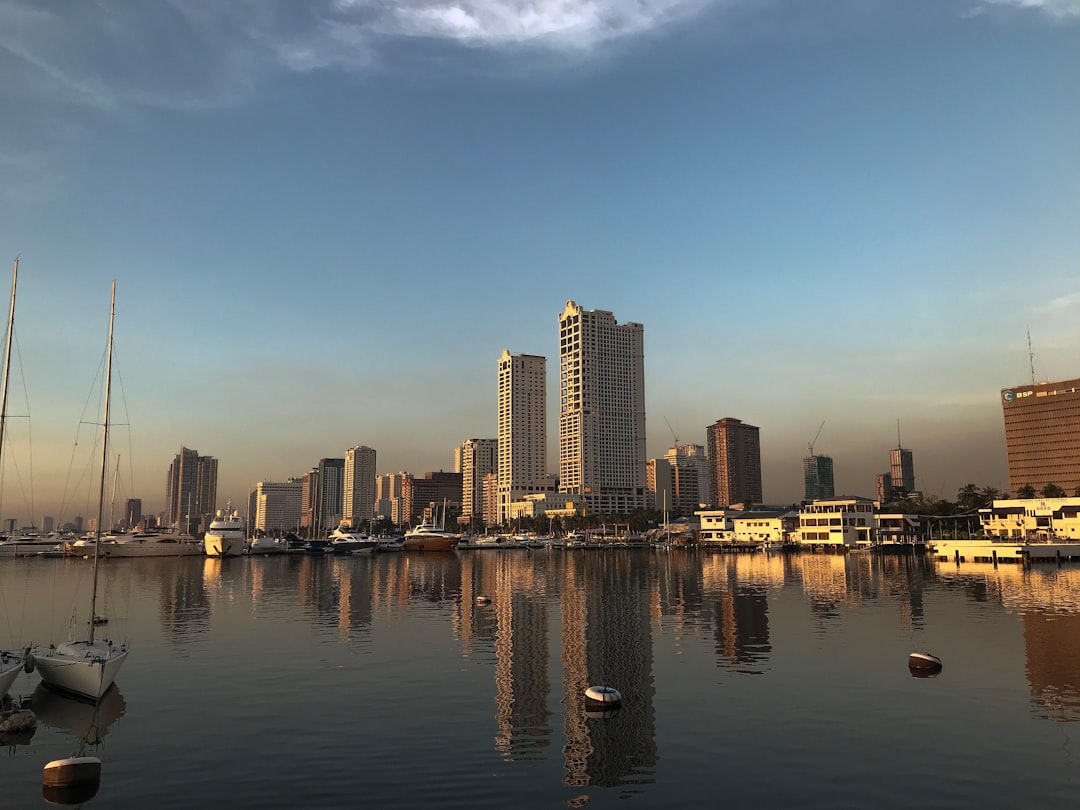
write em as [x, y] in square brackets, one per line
[7, 358]
[104, 463]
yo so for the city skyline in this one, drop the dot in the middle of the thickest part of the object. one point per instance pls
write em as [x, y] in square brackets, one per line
[321, 239]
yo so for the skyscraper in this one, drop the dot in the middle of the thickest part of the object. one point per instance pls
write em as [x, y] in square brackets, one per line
[191, 490]
[602, 410]
[690, 477]
[358, 493]
[522, 442]
[818, 477]
[902, 469]
[1042, 435]
[474, 459]
[735, 456]
[331, 490]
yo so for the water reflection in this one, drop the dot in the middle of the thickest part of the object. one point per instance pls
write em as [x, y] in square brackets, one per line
[84, 722]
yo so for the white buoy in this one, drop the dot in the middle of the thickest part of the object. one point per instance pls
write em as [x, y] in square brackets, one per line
[924, 661]
[605, 697]
[71, 772]
[483, 599]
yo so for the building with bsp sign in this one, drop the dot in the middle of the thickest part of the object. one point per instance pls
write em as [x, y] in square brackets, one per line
[1042, 435]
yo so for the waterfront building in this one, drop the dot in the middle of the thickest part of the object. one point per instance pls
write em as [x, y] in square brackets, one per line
[690, 477]
[277, 506]
[491, 499]
[818, 477]
[765, 526]
[426, 496]
[475, 459]
[1033, 518]
[358, 487]
[844, 520]
[522, 442]
[309, 499]
[191, 491]
[330, 495]
[390, 499]
[602, 411]
[734, 449]
[716, 525]
[1042, 435]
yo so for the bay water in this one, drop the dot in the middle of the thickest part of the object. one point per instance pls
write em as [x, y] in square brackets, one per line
[747, 681]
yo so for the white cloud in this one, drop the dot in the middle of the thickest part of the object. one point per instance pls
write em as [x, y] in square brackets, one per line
[1061, 9]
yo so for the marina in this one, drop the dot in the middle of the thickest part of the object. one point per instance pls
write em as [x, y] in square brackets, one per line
[465, 676]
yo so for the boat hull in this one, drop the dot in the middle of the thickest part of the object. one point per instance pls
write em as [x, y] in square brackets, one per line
[81, 668]
[9, 671]
[150, 549]
[430, 543]
[219, 546]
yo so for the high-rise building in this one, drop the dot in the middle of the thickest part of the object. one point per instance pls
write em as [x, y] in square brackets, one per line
[358, 489]
[309, 500]
[818, 477]
[390, 500]
[902, 469]
[884, 486]
[522, 442]
[1042, 435]
[328, 501]
[602, 411]
[191, 490]
[491, 499]
[433, 496]
[132, 514]
[474, 459]
[735, 457]
[690, 478]
[277, 506]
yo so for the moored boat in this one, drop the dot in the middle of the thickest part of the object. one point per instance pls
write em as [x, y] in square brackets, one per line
[343, 541]
[429, 537]
[225, 537]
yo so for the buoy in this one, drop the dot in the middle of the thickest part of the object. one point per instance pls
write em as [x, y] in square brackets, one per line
[28, 661]
[69, 795]
[604, 697]
[923, 664]
[71, 772]
[483, 599]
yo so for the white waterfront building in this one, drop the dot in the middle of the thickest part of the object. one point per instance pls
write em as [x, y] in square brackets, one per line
[1033, 518]
[602, 411]
[841, 521]
[358, 489]
[277, 506]
[522, 431]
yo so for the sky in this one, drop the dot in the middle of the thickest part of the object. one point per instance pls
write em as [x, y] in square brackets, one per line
[327, 220]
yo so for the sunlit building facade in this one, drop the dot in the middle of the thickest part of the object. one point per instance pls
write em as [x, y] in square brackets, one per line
[735, 459]
[522, 442]
[358, 489]
[1042, 435]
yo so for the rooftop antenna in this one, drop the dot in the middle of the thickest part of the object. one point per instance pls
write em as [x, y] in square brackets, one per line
[1031, 356]
[899, 444]
[813, 441]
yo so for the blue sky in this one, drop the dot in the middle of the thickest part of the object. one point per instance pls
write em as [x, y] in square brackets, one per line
[327, 220]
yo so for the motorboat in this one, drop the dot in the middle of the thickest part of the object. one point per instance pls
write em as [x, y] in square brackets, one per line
[29, 545]
[388, 544]
[264, 544]
[225, 537]
[429, 537]
[147, 544]
[343, 541]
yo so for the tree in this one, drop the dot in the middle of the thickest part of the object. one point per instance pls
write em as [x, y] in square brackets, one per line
[969, 498]
[1052, 491]
[1026, 491]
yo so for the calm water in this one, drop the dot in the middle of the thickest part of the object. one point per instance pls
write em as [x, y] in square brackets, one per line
[747, 681]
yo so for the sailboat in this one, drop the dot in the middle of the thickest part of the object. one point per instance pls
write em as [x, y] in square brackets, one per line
[86, 668]
[11, 663]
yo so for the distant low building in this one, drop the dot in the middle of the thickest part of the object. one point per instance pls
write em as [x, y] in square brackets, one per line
[1033, 518]
[841, 521]
[765, 526]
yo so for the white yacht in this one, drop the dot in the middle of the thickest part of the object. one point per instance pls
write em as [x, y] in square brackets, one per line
[343, 541]
[225, 537]
[148, 544]
[264, 544]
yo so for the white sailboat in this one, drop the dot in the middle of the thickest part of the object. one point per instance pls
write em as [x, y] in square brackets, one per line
[11, 663]
[87, 667]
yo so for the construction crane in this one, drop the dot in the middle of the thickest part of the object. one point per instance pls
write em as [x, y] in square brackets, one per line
[813, 441]
[669, 427]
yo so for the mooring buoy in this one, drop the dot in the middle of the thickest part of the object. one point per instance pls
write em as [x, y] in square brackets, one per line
[603, 697]
[923, 664]
[71, 772]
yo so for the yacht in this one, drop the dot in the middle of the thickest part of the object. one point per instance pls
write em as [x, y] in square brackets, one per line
[343, 541]
[264, 544]
[28, 545]
[429, 537]
[225, 537]
[147, 544]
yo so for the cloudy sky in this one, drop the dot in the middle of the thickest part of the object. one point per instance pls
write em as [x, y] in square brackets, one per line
[327, 220]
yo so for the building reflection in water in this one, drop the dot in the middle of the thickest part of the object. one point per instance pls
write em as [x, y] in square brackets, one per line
[607, 639]
[184, 606]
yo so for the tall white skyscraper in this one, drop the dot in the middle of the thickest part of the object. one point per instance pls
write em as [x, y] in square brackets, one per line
[522, 428]
[358, 502]
[277, 506]
[474, 459]
[602, 410]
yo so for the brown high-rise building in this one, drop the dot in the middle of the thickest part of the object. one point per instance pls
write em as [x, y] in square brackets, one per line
[1042, 435]
[735, 459]
[191, 490]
